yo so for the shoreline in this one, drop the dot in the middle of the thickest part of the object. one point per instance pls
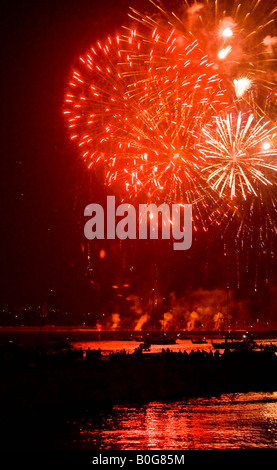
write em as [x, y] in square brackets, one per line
[124, 334]
[66, 382]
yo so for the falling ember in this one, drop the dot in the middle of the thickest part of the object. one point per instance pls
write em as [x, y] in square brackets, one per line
[102, 254]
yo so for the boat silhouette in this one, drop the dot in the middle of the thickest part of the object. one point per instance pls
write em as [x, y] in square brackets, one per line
[231, 343]
[199, 341]
[158, 339]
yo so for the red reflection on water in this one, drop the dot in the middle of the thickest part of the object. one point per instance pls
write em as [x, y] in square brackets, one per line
[176, 428]
[239, 421]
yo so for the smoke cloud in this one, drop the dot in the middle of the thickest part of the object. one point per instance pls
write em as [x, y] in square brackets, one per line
[270, 42]
[198, 309]
[141, 322]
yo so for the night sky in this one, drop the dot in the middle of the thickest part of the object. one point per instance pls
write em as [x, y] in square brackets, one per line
[39, 166]
[44, 186]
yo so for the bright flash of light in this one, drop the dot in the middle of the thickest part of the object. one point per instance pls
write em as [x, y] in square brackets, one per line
[227, 32]
[241, 86]
[266, 145]
[223, 53]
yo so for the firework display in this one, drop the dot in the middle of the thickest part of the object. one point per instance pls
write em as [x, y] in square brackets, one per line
[146, 120]
[239, 36]
[181, 107]
[238, 154]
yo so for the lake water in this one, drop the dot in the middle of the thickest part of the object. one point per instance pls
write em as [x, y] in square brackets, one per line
[231, 421]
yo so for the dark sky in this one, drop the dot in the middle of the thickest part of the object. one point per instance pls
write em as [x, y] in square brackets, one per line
[39, 167]
[41, 176]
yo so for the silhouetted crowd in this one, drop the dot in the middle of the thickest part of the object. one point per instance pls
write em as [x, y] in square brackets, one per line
[16, 355]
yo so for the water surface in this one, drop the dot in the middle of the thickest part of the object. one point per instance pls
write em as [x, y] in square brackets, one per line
[231, 421]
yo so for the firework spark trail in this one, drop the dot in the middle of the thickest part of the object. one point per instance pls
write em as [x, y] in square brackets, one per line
[238, 154]
[168, 125]
[95, 99]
